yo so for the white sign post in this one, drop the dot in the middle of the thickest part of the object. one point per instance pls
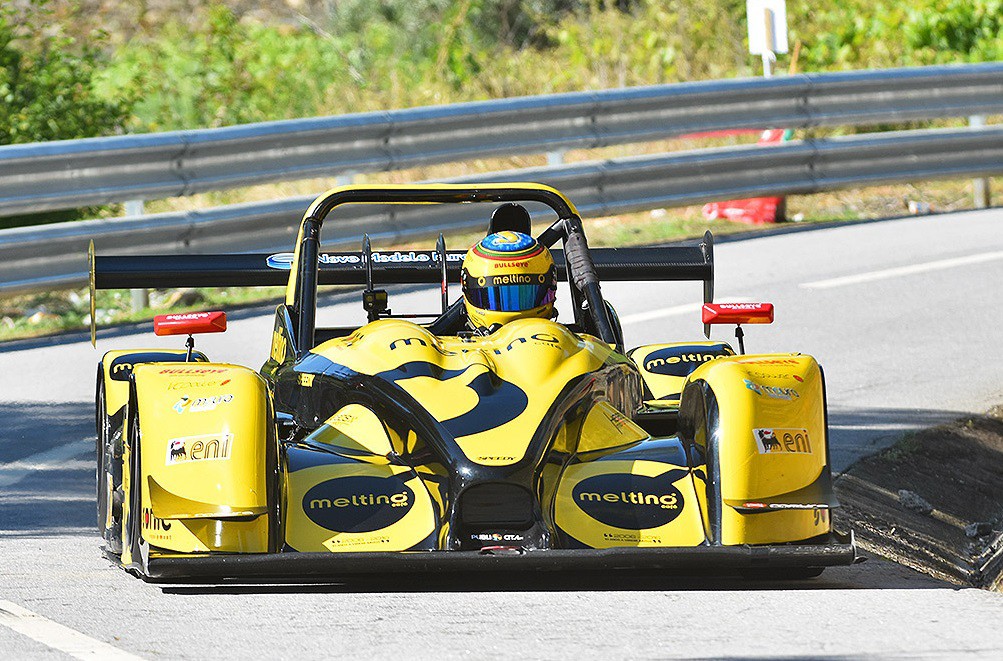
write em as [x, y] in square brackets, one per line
[767, 30]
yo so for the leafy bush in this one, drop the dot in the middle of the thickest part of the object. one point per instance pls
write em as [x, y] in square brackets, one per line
[859, 34]
[47, 81]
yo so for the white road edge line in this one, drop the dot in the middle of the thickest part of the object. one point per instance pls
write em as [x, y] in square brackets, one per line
[58, 637]
[903, 270]
[651, 315]
[15, 471]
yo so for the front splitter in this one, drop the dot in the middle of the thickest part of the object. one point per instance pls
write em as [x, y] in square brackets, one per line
[314, 566]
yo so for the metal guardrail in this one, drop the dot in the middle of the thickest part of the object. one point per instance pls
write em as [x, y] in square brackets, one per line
[50, 257]
[78, 173]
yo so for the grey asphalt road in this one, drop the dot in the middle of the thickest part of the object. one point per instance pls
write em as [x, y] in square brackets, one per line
[903, 314]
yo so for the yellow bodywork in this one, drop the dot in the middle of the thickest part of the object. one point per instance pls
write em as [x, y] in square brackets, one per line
[204, 446]
[772, 442]
[528, 362]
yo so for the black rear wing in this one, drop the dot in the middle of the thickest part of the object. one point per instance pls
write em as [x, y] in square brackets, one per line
[383, 267]
[389, 267]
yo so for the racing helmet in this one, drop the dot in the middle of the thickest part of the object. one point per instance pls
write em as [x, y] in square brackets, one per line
[507, 276]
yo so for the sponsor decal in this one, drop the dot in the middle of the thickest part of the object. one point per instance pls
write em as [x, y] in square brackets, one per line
[341, 542]
[540, 339]
[408, 341]
[188, 316]
[787, 506]
[199, 404]
[154, 523]
[769, 361]
[306, 380]
[206, 447]
[632, 537]
[342, 419]
[630, 501]
[358, 503]
[771, 391]
[618, 420]
[283, 261]
[511, 279]
[507, 241]
[782, 441]
[496, 458]
[497, 537]
[778, 376]
[279, 346]
[192, 371]
[680, 361]
[185, 385]
[121, 368]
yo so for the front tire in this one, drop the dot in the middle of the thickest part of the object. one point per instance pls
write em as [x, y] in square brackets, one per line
[108, 482]
[133, 528]
[102, 433]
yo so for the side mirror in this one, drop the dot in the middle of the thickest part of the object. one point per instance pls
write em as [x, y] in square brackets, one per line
[189, 323]
[738, 314]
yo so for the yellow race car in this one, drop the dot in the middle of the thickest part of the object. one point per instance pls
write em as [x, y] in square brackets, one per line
[402, 446]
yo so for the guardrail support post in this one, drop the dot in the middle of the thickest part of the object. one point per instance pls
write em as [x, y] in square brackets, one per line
[140, 297]
[980, 187]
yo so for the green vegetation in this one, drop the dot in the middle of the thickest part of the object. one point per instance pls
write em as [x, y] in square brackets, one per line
[48, 90]
[372, 55]
[210, 67]
[47, 82]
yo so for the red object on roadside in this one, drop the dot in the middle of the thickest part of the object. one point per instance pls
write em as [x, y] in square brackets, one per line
[189, 323]
[737, 313]
[753, 210]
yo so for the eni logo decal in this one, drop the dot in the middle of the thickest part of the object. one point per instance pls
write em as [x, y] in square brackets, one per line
[207, 447]
[358, 503]
[634, 502]
[782, 441]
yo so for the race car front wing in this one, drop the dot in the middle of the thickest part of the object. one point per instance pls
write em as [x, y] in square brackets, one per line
[837, 550]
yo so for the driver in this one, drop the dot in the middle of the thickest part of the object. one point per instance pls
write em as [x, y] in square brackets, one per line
[508, 275]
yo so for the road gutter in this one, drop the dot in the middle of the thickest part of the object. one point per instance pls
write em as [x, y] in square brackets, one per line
[933, 502]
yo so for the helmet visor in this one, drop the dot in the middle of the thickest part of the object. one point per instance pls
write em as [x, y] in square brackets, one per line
[511, 298]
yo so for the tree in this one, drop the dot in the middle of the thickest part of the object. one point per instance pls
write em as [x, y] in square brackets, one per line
[47, 81]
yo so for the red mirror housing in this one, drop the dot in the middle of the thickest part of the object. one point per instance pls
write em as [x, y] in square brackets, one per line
[738, 313]
[189, 323]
